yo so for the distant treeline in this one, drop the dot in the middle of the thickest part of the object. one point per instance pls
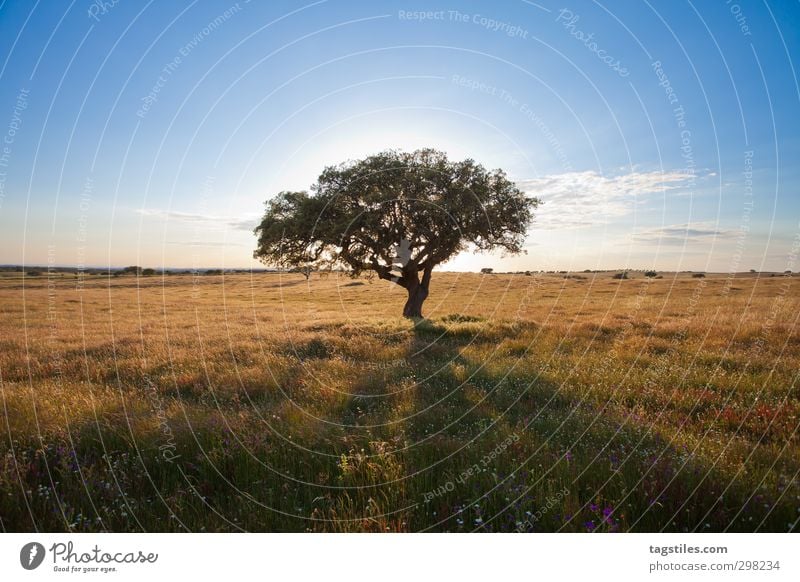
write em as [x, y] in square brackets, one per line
[37, 270]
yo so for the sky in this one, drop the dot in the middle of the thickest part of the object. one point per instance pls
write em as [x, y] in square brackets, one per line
[658, 135]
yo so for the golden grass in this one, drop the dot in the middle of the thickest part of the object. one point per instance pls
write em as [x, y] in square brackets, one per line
[532, 403]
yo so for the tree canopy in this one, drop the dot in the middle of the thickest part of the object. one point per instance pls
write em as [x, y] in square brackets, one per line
[398, 214]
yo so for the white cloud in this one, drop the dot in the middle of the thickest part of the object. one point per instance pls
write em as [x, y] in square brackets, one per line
[204, 244]
[583, 199]
[571, 200]
[680, 234]
[206, 221]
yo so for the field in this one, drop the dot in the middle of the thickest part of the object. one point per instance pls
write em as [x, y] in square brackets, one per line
[263, 402]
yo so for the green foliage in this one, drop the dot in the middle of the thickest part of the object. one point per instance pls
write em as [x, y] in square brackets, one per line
[461, 318]
[395, 211]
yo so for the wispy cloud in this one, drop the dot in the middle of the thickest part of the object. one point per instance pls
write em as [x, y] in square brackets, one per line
[204, 244]
[679, 234]
[206, 221]
[583, 199]
[571, 200]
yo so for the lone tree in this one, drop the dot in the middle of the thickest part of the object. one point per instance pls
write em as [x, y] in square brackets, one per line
[397, 214]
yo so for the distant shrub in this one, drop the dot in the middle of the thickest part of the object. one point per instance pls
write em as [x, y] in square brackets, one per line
[650, 274]
[460, 318]
[148, 272]
[214, 272]
[314, 349]
[699, 275]
[487, 270]
[33, 273]
[622, 275]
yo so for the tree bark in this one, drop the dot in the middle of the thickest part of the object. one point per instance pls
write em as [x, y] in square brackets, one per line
[417, 292]
[416, 296]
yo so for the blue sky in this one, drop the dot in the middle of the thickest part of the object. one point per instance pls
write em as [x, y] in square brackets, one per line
[658, 134]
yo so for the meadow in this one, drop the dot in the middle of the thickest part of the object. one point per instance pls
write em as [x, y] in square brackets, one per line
[266, 402]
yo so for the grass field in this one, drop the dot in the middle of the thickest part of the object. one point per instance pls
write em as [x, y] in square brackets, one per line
[522, 403]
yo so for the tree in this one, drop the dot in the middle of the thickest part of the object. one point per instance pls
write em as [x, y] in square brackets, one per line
[487, 271]
[398, 215]
[304, 270]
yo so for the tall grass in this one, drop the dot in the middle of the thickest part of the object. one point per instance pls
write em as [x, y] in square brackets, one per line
[522, 403]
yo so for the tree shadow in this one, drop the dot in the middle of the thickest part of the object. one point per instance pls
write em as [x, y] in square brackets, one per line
[620, 473]
[449, 437]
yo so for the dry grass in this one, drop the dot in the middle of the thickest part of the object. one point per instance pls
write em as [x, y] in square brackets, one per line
[538, 403]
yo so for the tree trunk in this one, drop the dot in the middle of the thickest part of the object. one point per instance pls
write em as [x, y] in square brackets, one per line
[416, 296]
